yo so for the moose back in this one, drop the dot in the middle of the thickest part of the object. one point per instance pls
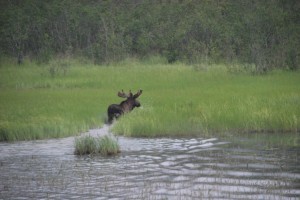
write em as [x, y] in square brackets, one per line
[114, 111]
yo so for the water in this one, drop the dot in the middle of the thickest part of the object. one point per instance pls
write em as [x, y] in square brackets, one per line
[183, 168]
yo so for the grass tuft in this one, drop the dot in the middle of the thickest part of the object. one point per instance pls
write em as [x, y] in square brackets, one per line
[86, 145]
[106, 145]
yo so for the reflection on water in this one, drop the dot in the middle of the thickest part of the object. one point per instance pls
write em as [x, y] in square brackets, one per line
[149, 169]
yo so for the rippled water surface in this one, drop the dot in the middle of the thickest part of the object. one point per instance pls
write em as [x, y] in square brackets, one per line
[187, 168]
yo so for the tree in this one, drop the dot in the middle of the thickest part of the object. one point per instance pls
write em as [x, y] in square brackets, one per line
[264, 33]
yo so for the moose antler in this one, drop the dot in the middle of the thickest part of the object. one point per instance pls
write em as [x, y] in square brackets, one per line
[138, 94]
[130, 93]
[122, 94]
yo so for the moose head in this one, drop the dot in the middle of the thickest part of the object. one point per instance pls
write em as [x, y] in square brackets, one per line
[116, 110]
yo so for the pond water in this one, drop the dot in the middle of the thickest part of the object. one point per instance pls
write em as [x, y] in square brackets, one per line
[165, 168]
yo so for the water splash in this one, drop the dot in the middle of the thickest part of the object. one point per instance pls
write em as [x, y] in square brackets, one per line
[181, 168]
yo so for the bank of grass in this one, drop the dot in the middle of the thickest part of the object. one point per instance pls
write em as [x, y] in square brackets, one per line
[206, 102]
[178, 100]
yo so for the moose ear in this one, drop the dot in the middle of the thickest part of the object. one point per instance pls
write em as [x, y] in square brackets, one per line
[122, 94]
[138, 94]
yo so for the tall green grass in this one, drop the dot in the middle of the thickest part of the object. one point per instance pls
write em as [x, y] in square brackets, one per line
[177, 99]
[39, 113]
[184, 102]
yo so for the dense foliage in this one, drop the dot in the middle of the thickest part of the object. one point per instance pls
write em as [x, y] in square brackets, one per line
[264, 33]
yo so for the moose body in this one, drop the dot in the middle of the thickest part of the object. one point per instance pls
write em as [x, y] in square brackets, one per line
[114, 111]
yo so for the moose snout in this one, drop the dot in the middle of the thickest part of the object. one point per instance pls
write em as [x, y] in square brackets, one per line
[137, 104]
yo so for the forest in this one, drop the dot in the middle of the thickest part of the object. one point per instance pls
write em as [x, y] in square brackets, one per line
[260, 33]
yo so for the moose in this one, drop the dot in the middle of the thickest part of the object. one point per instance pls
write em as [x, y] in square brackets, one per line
[114, 111]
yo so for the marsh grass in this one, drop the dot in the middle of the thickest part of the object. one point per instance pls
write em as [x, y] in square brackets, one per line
[105, 145]
[37, 113]
[86, 145]
[206, 102]
[108, 145]
[178, 100]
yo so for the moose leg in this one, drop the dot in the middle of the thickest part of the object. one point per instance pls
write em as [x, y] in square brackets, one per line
[114, 111]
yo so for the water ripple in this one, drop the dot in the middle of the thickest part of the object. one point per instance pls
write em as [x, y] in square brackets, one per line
[164, 168]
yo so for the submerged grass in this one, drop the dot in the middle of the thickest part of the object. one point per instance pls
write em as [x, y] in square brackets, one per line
[106, 145]
[178, 100]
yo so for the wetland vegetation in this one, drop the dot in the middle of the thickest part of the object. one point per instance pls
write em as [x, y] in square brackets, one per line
[178, 99]
[106, 145]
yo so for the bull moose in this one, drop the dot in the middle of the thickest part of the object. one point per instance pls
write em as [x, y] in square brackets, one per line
[116, 110]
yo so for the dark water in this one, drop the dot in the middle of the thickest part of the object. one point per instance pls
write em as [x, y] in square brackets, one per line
[150, 169]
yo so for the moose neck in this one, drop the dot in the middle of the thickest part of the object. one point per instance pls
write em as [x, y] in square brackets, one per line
[127, 105]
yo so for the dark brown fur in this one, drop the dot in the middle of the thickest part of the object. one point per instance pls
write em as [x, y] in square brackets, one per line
[114, 111]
